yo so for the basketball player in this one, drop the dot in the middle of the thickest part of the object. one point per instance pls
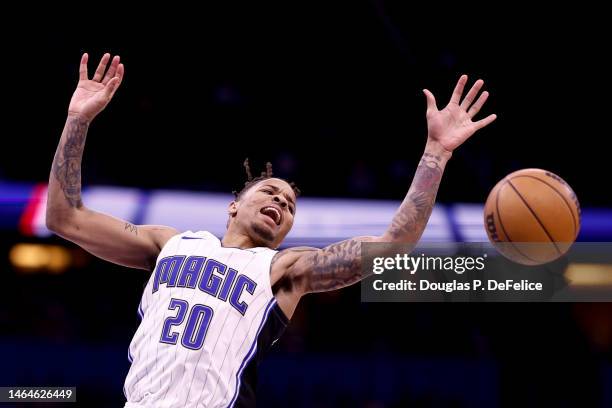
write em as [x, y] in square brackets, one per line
[211, 307]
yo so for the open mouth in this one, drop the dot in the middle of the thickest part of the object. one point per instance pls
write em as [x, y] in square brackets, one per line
[272, 213]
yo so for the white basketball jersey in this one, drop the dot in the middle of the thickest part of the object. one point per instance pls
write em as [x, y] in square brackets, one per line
[208, 315]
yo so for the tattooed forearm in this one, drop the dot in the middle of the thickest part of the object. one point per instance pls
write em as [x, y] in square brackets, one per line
[67, 161]
[130, 228]
[410, 220]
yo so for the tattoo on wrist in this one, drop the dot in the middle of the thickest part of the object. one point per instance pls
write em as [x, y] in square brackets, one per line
[429, 155]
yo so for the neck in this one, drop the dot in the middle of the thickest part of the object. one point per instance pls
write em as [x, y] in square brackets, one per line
[241, 241]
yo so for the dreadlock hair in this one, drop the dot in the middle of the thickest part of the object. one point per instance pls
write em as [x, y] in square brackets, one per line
[251, 181]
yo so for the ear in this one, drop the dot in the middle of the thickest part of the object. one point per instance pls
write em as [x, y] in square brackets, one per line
[232, 209]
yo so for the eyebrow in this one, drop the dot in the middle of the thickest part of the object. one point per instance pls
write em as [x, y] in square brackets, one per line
[276, 189]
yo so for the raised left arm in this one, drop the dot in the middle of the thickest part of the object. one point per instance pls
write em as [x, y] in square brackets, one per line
[339, 265]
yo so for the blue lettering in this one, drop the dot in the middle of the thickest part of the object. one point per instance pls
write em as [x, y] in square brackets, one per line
[167, 271]
[191, 270]
[227, 285]
[210, 276]
[243, 283]
[209, 282]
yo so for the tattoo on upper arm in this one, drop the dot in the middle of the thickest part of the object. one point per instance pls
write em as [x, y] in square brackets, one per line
[67, 160]
[335, 266]
[409, 221]
[130, 228]
[332, 267]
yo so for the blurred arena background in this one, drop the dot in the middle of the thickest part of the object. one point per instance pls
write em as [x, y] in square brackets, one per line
[331, 94]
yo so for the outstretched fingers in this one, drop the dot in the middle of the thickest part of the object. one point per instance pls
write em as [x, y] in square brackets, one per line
[484, 122]
[475, 108]
[471, 95]
[113, 84]
[83, 67]
[120, 72]
[431, 101]
[456, 97]
[101, 68]
[111, 70]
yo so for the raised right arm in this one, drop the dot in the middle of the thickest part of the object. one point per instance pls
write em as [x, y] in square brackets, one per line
[104, 236]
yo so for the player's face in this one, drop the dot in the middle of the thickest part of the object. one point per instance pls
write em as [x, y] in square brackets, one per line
[266, 211]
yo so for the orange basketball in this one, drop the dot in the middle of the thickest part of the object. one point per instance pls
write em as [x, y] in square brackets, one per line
[532, 216]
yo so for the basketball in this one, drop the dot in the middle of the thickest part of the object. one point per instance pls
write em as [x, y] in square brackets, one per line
[532, 216]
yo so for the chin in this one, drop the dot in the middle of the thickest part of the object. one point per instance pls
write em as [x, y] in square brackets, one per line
[263, 234]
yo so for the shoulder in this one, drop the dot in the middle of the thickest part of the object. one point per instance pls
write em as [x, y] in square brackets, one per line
[289, 256]
[162, 235]
[285, 264]
[199, 235]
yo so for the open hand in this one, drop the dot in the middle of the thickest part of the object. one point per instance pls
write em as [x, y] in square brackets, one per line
[92, 95]
[453, 125]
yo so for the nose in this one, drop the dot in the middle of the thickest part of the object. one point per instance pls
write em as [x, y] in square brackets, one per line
[282, 202]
